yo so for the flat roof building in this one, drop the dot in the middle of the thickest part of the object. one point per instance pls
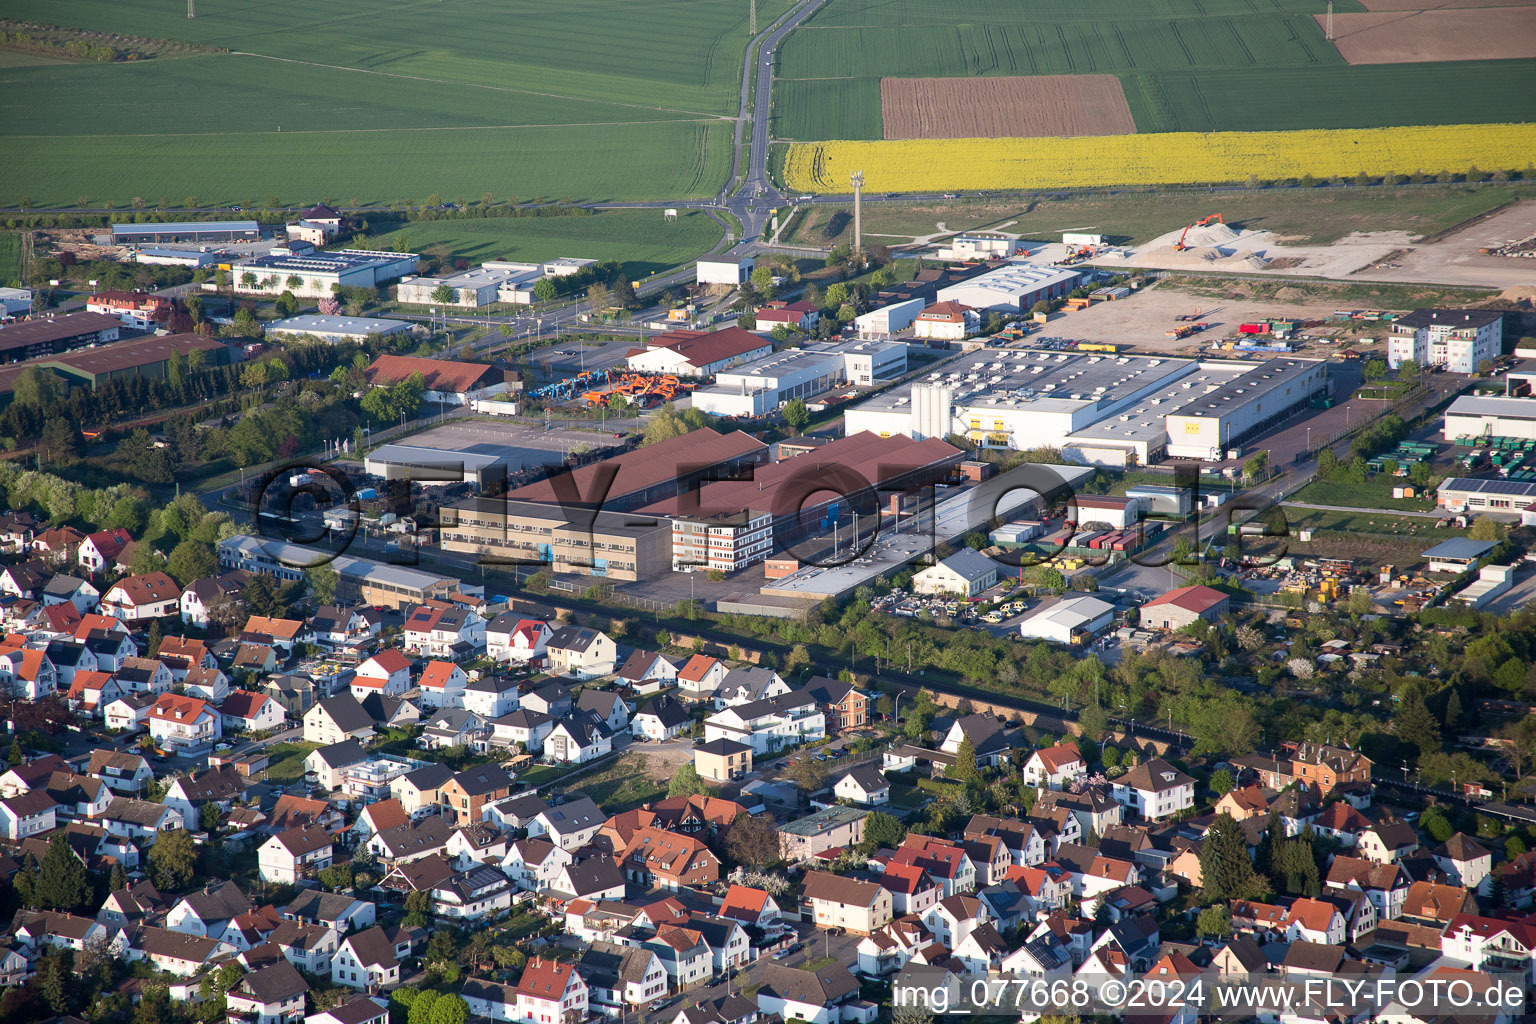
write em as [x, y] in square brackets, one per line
[473, 288]
[361, 580]
[1099, 409]
[758, 387]
[428, 465]
[726, 270]
[1011, 288]
[1458, 554]
[313, 274]
[187, 231]
[621, 546]
[1471, 494]
[337, 328]
[1490, 416]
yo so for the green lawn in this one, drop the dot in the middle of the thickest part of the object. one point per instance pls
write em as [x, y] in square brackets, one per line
[1317, 216]
[10, 258]
[287, 761]
[1374, 493]
[1185, 65]
[643, 240]
[382, 102]
[1372, 523]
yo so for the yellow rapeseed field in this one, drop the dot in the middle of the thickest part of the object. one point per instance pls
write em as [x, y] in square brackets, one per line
[1157, 159]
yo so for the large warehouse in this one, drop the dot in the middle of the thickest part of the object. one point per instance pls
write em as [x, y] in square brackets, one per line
[1099, 409]
[199, 231]
[32, 339]
[314, 274]
[762, 385]
[1012, 288]
[1472, 494]
[1491, 416]
[337, 328]
[699, 353]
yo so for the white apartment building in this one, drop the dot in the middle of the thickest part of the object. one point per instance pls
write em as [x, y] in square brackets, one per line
[728, 541]
[1455, 340]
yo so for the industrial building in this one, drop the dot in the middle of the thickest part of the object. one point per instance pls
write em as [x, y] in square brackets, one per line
[759, 387]
[361, 580]
[315, 274]
[726, 270]
[32, 339]
[888, 320]
[337, 328]
[447, 381]
[699, 353]
[566, 539]
[650, 474]
[1455, 340]
[1459, 554]
[1162, 500]
[187, 231]
[122, 360]
[1012, 287]
[1073, 619]
[1491, 416]
[837, 483]
[981, 246]
[965, 573]
[1469, 494]
[479, 286]
[15, 301]
[727, 541]
[429, 465]
[192, 258]
[1099, 409]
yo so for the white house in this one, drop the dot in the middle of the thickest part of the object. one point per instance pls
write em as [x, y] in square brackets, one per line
[577, 739]
[337, 718]
[442, 685]
[295, 854]
[387, 673]
[581, 652]
[153, 595]
[1053, 767]
[184, 723]
[491, 696]
[965, 573]
[27, 814]
[816, 997]
[442, 630]
[1155, 789]
[509, 638]
[273, 994]
[370, 959]
[550, 993]
[863, 784]
[244, 711]
[769, 725]
[661, 718]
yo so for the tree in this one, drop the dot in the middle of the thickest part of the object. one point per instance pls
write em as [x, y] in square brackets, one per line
[545, 290]
[882, 831]
[38, 387]
[1415, 724]
[422, 1006]
[173, 859]
[1093, 721]
[323, 580]
[1486, 528]
[191, 560]
[1225, 870]
[16, 756]
[450, 1009]
[442, 294]
[1221, 782]
[1436, 825]
[762, 282]
[54, 979]
[752, 840]
[1408, 371]
[1214, 922]
[416, 906]
[61, 879]
[686, 782]
[1374, 369]
[796, 414]
[964, 768]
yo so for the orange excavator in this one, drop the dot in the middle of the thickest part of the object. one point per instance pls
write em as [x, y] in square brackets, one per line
[1214, 218]
[640, 387]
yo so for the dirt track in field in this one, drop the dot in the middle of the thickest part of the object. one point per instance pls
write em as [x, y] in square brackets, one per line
[1007, 107]
[1406, 37]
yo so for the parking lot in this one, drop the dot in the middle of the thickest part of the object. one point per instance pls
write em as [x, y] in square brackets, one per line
[570, 357]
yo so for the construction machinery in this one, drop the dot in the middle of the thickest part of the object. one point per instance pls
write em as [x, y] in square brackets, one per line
[1186, 330]
[1214, 218]
[1077, 254]
[640, 388]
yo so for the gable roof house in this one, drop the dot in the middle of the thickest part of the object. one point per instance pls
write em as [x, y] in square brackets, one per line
[552, 992]
[153, 595]
[646, 671]
[581, 652]
[439, 629]
[699, 677]
[844, 706]
[828, 995]
[271, 995]
[337, 718]
[298, 853]
[660, 718]
[860, 907]
[370, 959]
[511, 638]
[387, 672]
[326, 763]
[1155, 789]
[667, 860]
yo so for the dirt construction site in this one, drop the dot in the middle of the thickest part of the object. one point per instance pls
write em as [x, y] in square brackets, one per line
[1003, 107]
[1388, 256]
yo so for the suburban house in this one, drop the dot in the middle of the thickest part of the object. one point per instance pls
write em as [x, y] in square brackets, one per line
[1053, 767]
[863, 784]
[859, 907]
[1155, 790]
[509, 638]
[581, 652]
[337, 718]
[295, 854]
[153, 595]
[843, 706]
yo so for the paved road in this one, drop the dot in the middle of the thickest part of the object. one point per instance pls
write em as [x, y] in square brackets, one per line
[1343, 508]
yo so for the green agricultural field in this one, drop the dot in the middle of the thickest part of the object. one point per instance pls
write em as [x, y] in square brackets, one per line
[399, 100]
[1185, 65]
[642, 240]
[10, 258]
[659, 161]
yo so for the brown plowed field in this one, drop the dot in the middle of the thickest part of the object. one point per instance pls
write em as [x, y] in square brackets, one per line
[998, 108]
[1437, 5]
[1406, 37]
